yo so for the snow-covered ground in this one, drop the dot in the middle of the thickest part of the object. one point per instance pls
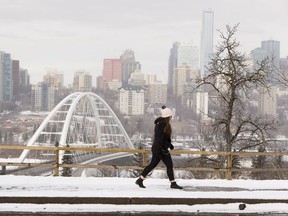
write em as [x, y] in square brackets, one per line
[26, 186]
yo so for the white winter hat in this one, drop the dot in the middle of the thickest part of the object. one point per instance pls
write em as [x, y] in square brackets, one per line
[166, 112]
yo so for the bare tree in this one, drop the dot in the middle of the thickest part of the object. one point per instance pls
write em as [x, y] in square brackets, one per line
[67, 159]
[136, 160]
[280, 77]
[230, 82]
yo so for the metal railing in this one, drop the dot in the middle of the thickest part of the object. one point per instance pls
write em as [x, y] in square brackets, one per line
[57, 164]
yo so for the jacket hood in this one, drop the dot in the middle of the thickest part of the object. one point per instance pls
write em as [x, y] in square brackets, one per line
[159, 120]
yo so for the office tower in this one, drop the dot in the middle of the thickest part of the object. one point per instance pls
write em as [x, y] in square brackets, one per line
[24, 87]
[188, 54]
[54, 79]
[131, 100]
[269, 49]
[112, 70]
[43, 97]
[14, 84]
[129, 65]
[24, 77]
[114, 85]
[258, 55]
[201, 104]
[206, 40]
[151, 79]
[16, 79]
[171, 65]
[137, 78]
[272, 49]
[182, 76]
[268, 103]
[284, 64]
[6, 91]
[182, 53]
[82, 81]
[99, 82]
[36, 97]
[1, 79]
[60, 77]
[157, 93]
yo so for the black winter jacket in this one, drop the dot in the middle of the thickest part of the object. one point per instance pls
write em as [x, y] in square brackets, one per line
[161, 141]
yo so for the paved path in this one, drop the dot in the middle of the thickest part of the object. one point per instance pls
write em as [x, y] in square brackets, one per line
[135, 200]
[123, 192]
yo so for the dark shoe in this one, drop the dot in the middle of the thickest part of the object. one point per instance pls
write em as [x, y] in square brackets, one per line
[175, 186]
[139, 182]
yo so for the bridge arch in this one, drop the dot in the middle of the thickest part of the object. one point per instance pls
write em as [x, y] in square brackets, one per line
[82, 119]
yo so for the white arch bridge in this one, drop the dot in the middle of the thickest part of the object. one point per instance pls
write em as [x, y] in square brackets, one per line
[82, 119]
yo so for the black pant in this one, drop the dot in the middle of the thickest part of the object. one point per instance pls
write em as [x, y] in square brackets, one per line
[156, 158]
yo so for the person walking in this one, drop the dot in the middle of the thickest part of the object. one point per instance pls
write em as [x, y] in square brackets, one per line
[160, 146]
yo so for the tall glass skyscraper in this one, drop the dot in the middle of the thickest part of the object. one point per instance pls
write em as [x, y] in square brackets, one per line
[182, 53]
[269, 49]
[129, 65]
[206, 39]
[272, 49]
[5, 77]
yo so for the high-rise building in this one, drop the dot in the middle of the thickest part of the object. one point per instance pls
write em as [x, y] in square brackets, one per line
[207, 35]
[43, 97]
[82, 81]
[137, 78]
[129, 65]
[131, 100]
[36, 97]
[268, 103]
[182, 53]
[270, 49]
[24, 77]
[99, 82]
[112, 70]
[6, 85]
[54, 79]
[157, 93]
[16, 79]
[171, 65]
[24, 87]
[151, 79]
[284, 64]
[1, 76]
[258, 55]
[114, 85]
[183, 75]
[201, 104]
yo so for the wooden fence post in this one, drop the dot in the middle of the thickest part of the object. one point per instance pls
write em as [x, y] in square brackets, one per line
[145, 156]
[229, 166]
[56, 171]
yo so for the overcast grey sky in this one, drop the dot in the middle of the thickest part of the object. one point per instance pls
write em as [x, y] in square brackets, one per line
[73, 35]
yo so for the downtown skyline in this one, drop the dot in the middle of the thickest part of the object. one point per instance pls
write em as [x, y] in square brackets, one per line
[70, 36]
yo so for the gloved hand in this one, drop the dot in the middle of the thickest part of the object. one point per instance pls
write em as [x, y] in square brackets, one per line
[171, 146]
[165, 152]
